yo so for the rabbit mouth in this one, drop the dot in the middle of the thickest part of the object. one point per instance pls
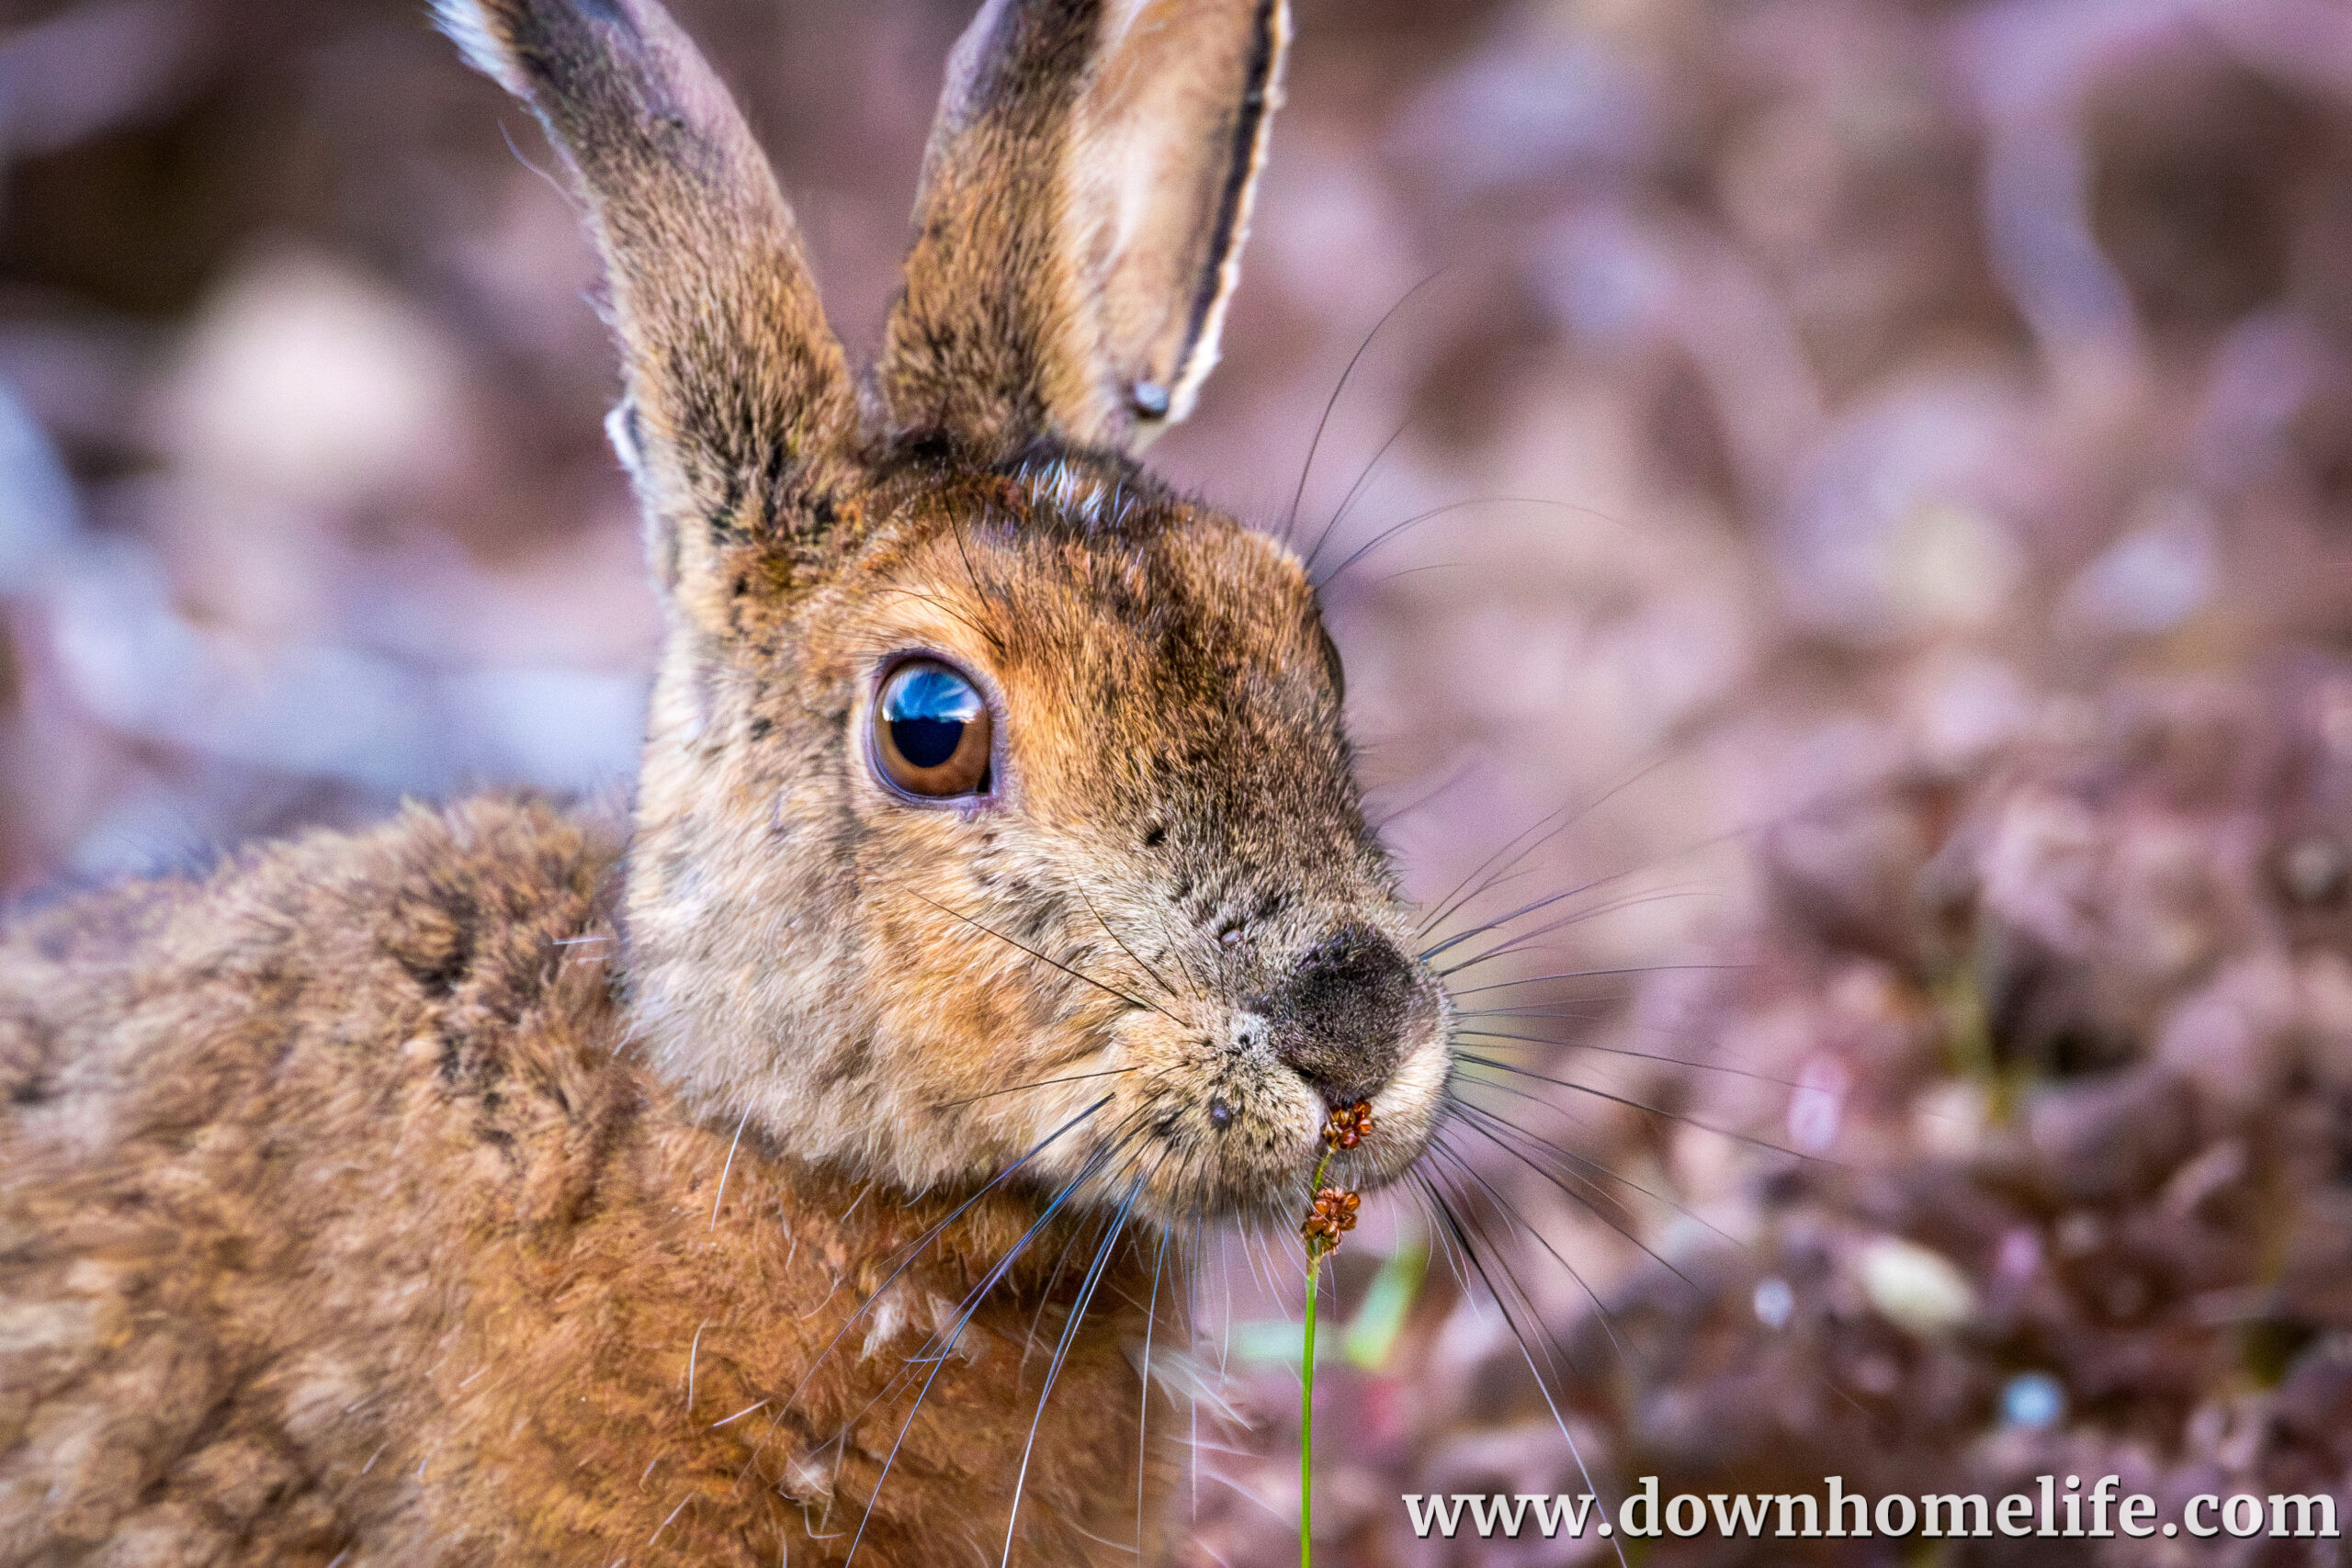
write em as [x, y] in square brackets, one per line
[1225, 1116]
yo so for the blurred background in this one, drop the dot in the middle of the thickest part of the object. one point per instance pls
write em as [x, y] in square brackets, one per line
[1875, 474]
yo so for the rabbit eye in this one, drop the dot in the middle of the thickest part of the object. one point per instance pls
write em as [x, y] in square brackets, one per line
[930, 732]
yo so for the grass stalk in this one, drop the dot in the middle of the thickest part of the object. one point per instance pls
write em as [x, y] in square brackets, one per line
[1330, 1214]
[1306, 1390]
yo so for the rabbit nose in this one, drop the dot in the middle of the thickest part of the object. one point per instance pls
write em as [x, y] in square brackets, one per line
[1346, 1016]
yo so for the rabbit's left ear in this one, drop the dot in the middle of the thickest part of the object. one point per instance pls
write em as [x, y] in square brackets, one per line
[741, 419]
[1084, 200]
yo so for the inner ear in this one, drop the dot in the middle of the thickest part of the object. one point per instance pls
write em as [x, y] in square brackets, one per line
[1084, 201]
[1172, 142]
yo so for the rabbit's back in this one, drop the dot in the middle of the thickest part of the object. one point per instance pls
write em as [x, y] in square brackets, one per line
[130, 1016]
[335, 1215]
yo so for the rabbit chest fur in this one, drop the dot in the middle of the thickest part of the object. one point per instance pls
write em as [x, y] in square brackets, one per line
[337, 1216]
[801, 1170]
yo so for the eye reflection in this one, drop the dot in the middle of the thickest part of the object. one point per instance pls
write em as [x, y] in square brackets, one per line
[930, 731]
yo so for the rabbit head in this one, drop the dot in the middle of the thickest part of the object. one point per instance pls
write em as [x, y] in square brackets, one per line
[996, 804]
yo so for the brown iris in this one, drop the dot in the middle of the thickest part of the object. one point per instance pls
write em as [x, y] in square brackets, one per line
[930, 731]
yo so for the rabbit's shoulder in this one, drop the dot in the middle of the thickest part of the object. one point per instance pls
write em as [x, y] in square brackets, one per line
[258, 1127]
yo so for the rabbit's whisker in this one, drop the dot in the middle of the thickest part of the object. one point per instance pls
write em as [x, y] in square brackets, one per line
[1494, 1126]
[1165, 988]
[1536, 905]
[1040, 1083]
[1199, 983]
[1511, 1216]
[1253, 1251]
[1224, 1340]
[1403, 572]
[569, 199]
[1143, 1413]
[1227, 1450]
[971, 574]
[1724, 1068]
[1454, 1225]
[1585, 975]
[1572, 1010]
[946, 1340]
[1520, 942]
[902, 1261]
[1307, 470]
[1602, 1204]
[1347, 501]
[908, 1254]
[936, 602]
[1045, 1301]
[1113, 1235]
[1463, 892]
[1519, 846]
[1191, 1395]
[1456, 1103]
[1488, 1061]
[938, 1346]
[1054, 962]
[1831, 801]
[665, 1524]
[1233, 1484]
[1445, 1248]
[1381, 822]
[1434, 512]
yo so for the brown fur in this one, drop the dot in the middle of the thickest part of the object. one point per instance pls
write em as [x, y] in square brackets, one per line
[494, 1186]
[394, 1248]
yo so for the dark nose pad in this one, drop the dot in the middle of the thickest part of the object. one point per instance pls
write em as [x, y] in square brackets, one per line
[1343, 1021]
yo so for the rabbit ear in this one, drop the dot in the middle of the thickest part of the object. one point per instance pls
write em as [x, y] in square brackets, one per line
[740, 415]
[1079, 231]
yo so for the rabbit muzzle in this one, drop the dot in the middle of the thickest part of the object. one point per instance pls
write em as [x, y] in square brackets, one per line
[1339, 1015]
[1351, 1012]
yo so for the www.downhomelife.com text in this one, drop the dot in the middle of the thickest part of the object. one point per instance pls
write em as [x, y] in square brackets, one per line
[2054, 1508]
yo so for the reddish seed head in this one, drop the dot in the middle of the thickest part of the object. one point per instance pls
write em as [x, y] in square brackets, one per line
[1348, 1126]
[1334, 1215]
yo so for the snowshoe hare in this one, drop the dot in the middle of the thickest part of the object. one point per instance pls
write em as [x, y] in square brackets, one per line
[795, 1173]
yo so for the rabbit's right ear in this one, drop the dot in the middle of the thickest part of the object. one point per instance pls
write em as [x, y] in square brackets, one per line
[1078, 233]
[740, 423]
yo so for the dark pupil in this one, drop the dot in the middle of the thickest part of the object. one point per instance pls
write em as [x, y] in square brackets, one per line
[927, 712]
[927, 742]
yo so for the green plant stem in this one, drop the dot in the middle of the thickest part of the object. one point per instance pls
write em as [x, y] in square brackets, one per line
[1307, 1422]
[1307, 1383]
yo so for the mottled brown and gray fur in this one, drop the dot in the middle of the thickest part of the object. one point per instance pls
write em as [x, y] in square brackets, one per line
[505, 1185]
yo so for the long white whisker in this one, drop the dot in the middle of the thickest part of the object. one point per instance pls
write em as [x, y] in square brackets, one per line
[1111, 1240]
[730, 1166]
